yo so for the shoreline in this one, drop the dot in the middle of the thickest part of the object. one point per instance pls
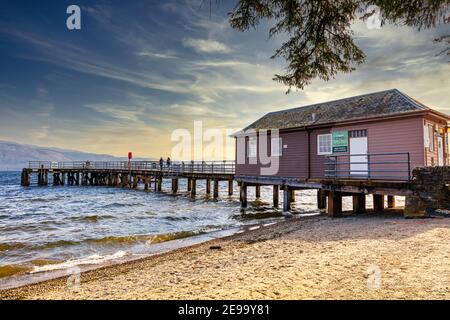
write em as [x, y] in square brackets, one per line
[299, 258]
[155, 250]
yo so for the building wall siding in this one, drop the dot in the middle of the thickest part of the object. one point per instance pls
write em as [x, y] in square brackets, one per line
[431, 156]
[399, 135]
[393, 136]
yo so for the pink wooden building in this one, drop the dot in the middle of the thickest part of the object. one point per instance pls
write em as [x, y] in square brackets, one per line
[378, 136]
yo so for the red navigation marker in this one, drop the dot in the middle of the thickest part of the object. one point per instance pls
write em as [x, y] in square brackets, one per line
[130, 155]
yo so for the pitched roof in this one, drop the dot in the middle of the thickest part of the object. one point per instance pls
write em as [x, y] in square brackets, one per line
[386, 103]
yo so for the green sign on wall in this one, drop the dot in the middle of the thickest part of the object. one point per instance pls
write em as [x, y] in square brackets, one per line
[340, 141]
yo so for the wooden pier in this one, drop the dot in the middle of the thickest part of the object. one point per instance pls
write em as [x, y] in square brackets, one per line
[150, 176]
[132, 174]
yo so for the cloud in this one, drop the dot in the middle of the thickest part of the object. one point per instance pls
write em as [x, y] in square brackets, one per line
[155, 55]
[206, 46]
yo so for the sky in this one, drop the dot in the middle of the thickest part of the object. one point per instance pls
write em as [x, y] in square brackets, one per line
[138, 71]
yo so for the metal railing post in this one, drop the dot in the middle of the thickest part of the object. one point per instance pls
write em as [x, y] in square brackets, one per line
[409, 167]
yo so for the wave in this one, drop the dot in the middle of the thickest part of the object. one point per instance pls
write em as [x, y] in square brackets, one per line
[109, 240]
[93, 259]
[148, 239]
[13, 269]
[11, 246]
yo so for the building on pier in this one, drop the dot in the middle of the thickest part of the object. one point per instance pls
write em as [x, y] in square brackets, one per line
[354, 146]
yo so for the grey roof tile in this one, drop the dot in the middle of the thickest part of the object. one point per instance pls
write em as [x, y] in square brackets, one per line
[387, 102]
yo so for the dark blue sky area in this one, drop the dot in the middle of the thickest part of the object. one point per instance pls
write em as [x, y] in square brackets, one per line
[137, 70]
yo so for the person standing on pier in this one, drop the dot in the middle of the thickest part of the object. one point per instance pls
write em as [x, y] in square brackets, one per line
[161, 163]
[168, 162]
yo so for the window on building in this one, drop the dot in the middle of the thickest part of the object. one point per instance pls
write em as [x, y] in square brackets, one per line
[429, 137]
[252, 147]
[324, 144]
[276, 147]
[358, 133]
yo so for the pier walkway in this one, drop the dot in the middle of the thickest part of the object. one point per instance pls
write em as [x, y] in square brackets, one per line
[129, 174]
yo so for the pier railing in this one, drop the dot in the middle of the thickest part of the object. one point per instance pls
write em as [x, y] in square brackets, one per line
[220, 167]
[372, 166]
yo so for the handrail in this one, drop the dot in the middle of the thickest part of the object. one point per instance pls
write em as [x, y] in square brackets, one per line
[225, 166]
[379, 166]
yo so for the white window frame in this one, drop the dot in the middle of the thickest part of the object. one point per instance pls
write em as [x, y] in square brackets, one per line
[429, 137]
[321, 153]
[274, 142]
[252, 147]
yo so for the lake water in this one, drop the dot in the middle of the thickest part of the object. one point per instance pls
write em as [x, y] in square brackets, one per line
[49, 228]
[54, 228]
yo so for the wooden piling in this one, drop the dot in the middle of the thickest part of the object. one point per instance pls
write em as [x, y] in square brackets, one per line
[189, 184]
[208, 186]
[378, 202]
[56, 179]
[276, 195]
[359, 203]
[174, 185]
[193, 187]
[230, 187]
[25, 178]
[257, 192]
[292, 195]
[391, 202]
[243, 195]
[334, 204]
[321, 199]
[160, 179]
[216, 188]
[45, 177]
[286, 198]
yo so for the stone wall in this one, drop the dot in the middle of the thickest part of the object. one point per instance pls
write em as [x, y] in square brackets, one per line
[431, 191]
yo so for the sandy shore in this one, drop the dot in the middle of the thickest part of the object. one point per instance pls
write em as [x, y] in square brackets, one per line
[313, 258]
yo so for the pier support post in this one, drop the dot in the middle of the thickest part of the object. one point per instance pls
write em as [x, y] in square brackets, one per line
[146, 184]
[208, 186]
[25, 178]
[174, 185]
[216, 188]
[243, 195]
[321, 199]
[292, 196]
[189, 184]
[378, 202]
[125, 181]
[135, 182]
[276, 196]
[77, 179]
[334, 204]
[45, 176]
[258, 192]
[286, 198]
[56, 179]
[230, 187]
[160, 184]
[193, 187]
[391, 202]
[359, 203]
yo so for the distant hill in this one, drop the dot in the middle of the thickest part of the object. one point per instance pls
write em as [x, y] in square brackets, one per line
[15, 156]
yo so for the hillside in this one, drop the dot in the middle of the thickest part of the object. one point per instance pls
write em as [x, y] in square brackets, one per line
[14, 156]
